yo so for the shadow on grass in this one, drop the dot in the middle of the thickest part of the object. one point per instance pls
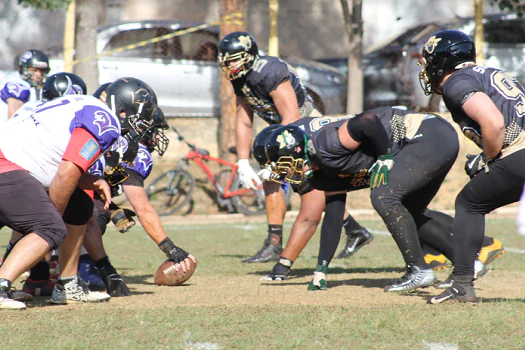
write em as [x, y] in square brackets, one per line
[236, 256]
[333, 271]
[366, 283]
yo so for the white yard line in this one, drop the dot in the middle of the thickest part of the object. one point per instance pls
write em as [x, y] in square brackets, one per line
[203, 346]
[441, 346]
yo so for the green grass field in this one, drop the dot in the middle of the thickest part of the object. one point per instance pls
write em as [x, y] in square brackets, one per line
[224, 305]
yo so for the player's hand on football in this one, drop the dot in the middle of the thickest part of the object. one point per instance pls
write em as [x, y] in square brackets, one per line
[182, 258]
[247, 175]
[379, 170]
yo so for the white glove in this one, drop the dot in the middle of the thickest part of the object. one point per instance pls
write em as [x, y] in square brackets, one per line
[247, 175]
[267, 175]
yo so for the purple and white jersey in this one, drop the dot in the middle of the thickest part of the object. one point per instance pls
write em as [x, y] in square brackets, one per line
[14, 87]
[37, 139]
[143, 162]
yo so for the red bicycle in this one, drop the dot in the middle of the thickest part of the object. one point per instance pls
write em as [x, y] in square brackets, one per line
[172, 190]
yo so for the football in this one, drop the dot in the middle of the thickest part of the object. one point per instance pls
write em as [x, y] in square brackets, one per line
[166, 274]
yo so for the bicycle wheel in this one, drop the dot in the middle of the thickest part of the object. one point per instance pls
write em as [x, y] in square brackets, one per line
[250, 203]
[171, 191]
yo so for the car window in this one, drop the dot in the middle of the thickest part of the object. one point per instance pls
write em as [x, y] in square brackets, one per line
[201, 46]
[505, 32]
[163, 49]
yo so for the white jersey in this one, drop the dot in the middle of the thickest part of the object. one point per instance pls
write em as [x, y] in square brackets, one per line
[12, 86]
[36, 139]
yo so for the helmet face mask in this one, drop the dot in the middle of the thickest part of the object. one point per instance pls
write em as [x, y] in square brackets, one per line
[60, 84]
[31, 62]
[154, 138]
[237, 54]
[444, 52]
[286, 153]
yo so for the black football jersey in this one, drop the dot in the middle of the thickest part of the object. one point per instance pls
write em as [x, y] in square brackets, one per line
[266, 75]
[505, 91]
[341, 168]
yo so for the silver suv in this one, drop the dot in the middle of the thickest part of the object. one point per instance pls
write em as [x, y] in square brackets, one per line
[183, 70]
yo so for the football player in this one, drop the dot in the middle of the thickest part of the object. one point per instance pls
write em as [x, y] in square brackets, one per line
[268, 87]
[33, 66]
[488, 105]
[44, 156]
[335, 154]
[133, 187]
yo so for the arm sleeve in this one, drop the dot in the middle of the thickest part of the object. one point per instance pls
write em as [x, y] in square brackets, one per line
[275, 76]
[458, 88]
[82, 149]
[367, 126]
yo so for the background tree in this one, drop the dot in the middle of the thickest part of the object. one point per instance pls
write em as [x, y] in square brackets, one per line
[354, 28]
[516, 6]
[227, 96]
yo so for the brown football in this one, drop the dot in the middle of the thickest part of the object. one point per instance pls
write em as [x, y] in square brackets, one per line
[166, 274]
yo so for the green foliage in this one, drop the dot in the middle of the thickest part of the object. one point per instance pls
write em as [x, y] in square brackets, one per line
[45, 4]
[516, 6]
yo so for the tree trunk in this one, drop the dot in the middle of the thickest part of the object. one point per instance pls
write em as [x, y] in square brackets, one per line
[354, 27]
[86, 43]
[226, 135]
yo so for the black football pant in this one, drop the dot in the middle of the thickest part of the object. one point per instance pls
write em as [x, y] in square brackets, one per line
[486, 192]
[420, 168]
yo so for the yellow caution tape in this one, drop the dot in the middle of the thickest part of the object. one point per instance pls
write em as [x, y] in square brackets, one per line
[229, 19]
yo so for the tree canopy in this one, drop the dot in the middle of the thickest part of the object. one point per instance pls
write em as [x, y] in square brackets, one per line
[516, 6]
[45, 4]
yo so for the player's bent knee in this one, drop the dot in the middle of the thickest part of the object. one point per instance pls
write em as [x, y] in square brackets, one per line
[79, 208]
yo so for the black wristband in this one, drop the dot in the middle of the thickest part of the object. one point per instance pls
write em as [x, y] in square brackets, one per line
[167, 246]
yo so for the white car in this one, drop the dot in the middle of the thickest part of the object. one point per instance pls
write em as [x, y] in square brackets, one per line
[183, 70]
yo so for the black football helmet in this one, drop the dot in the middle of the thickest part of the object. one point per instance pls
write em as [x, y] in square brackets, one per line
[60, 84]
[101, 90]
[444, 52]
[133, 101]
[33, 59]
[154, 138]
[237, 54]
[286, 151]
[259, 144]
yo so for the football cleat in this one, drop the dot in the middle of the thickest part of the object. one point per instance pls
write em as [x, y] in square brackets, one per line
[413, 279]
[280, 271]
[490, 253]
[8, 302]
[76, 291]
[479, 271]
[319, 280]
[267, 253]
[38, 288]
[436, 261]
[354, 241]
[463, 293]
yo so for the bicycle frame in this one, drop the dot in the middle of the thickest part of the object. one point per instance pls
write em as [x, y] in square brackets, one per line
[201, 159]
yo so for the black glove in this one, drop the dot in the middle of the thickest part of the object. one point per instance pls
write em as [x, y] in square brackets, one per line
[123, 219]
[173, 252]
[477, 162]
[115, 285]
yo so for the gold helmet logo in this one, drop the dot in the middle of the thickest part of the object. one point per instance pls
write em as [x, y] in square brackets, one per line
[246, 42]
[431, 44]
[285, 139]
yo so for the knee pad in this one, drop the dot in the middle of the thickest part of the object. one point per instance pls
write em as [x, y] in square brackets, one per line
[79, 208]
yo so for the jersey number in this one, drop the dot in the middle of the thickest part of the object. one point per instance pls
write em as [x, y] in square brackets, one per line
[507, 87]
[318, 123]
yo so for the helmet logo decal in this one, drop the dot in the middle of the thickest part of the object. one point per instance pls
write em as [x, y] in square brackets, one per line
[246, 42]
[103, 121]
[431, 44]
[285, 139]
